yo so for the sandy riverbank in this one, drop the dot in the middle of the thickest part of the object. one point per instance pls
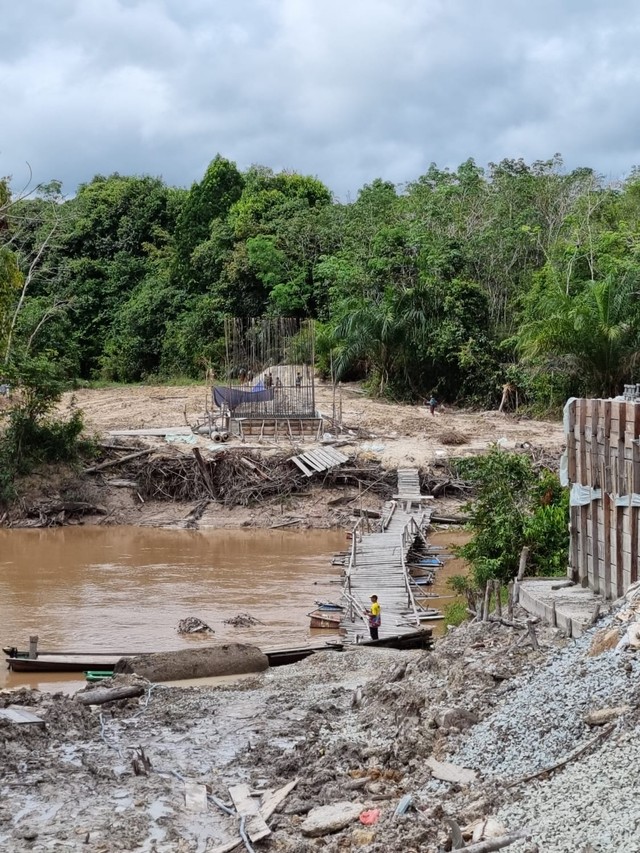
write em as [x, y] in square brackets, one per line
[384, 433]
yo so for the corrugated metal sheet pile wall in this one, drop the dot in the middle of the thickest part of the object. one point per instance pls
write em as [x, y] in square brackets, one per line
[603, 466]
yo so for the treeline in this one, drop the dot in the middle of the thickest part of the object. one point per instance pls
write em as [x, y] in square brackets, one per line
[459, 283]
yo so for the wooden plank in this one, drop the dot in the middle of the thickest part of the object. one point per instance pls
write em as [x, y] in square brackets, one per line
[339, 457]
[571, 443]
[249, 808]
[322, 457]
[309, 459]
[622, 414]
[582, 445]
[595, 550]
[21, 716]
[576, 575]
[593, 445]
[297, 461]
[195, 797]
[272, 800]
[619, 555]
[606, 513]
[584, 543]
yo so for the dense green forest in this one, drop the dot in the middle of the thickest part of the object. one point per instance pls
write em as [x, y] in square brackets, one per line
[455, 284]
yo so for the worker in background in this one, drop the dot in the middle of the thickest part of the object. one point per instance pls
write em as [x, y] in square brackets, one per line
[433, 405]
[375, 619]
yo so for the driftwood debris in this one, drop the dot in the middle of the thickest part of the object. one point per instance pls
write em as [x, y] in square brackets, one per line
[191, 520]
[112, 462]
[366, 513]
[193, 625]
[69, 508]
[109, 694]
[492, 844]
[272, 799]
[246, 807]
[243, 620]
[532, 635]
[449, 519]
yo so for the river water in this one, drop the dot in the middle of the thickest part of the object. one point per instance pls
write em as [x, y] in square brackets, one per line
[126, 588]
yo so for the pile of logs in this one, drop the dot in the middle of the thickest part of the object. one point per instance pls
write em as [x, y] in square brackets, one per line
[236, 477]
[366, 476]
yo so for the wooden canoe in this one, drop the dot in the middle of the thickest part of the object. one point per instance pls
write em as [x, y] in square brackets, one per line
[325, 619]
[19, 661]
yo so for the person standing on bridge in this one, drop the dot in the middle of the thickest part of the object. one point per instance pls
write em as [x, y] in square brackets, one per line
[374, 617]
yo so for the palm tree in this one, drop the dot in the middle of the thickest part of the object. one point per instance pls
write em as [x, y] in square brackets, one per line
[594, 333]
[373, 333]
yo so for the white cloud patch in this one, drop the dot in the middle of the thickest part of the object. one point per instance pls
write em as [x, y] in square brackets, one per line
[349, 90]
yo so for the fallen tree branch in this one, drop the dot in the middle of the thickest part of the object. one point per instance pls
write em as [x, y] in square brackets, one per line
[507, 622]
[492, 844]
[110, 694]
[449, 519]
[603, 735]
[112, 462]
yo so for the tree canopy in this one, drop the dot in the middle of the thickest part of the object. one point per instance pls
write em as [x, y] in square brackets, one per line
[455, 284]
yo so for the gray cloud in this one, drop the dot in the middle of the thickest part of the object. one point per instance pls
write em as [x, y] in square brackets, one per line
[349, 90]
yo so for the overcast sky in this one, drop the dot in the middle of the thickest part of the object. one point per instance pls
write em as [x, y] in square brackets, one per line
[348, 90]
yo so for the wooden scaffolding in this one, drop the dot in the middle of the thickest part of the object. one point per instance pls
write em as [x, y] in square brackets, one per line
[269, 386]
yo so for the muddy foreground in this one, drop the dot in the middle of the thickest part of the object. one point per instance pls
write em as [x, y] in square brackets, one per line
[359, 727]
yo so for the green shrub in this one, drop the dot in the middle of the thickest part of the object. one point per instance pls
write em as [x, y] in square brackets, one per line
[514, 506]
[31, 436]
[455, 613]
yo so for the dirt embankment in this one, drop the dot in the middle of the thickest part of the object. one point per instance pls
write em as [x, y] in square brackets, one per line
[376, 433]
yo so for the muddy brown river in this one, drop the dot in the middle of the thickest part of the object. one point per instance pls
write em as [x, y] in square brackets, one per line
[126, 588]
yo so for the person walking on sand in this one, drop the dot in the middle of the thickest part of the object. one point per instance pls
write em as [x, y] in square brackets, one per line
[433, 403]
[374, 617]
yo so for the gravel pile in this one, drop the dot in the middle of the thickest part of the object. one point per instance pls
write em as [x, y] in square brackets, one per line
[591, 804]
[542, 717]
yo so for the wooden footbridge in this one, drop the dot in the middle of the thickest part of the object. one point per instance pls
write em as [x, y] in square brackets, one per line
[377, 564]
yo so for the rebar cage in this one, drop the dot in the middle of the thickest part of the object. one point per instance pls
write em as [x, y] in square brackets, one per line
[269, 369]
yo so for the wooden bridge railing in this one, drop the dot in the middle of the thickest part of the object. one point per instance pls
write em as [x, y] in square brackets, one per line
[410, 532]
[355, 533]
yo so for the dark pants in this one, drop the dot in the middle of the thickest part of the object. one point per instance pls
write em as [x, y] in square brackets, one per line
[373, 631]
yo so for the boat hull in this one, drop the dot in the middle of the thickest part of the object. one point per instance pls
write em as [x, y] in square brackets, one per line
[325, 620]
[19, 661]
[415, 640]
[61, 663]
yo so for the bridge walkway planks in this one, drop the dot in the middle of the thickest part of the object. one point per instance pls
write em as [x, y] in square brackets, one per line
[377, 565]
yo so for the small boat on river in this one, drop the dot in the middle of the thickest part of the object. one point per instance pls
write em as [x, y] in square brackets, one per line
[60, 661]
[329, 605]
[104, 662]
[329, 619]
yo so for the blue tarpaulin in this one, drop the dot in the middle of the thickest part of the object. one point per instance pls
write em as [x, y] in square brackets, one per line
[235, 397]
